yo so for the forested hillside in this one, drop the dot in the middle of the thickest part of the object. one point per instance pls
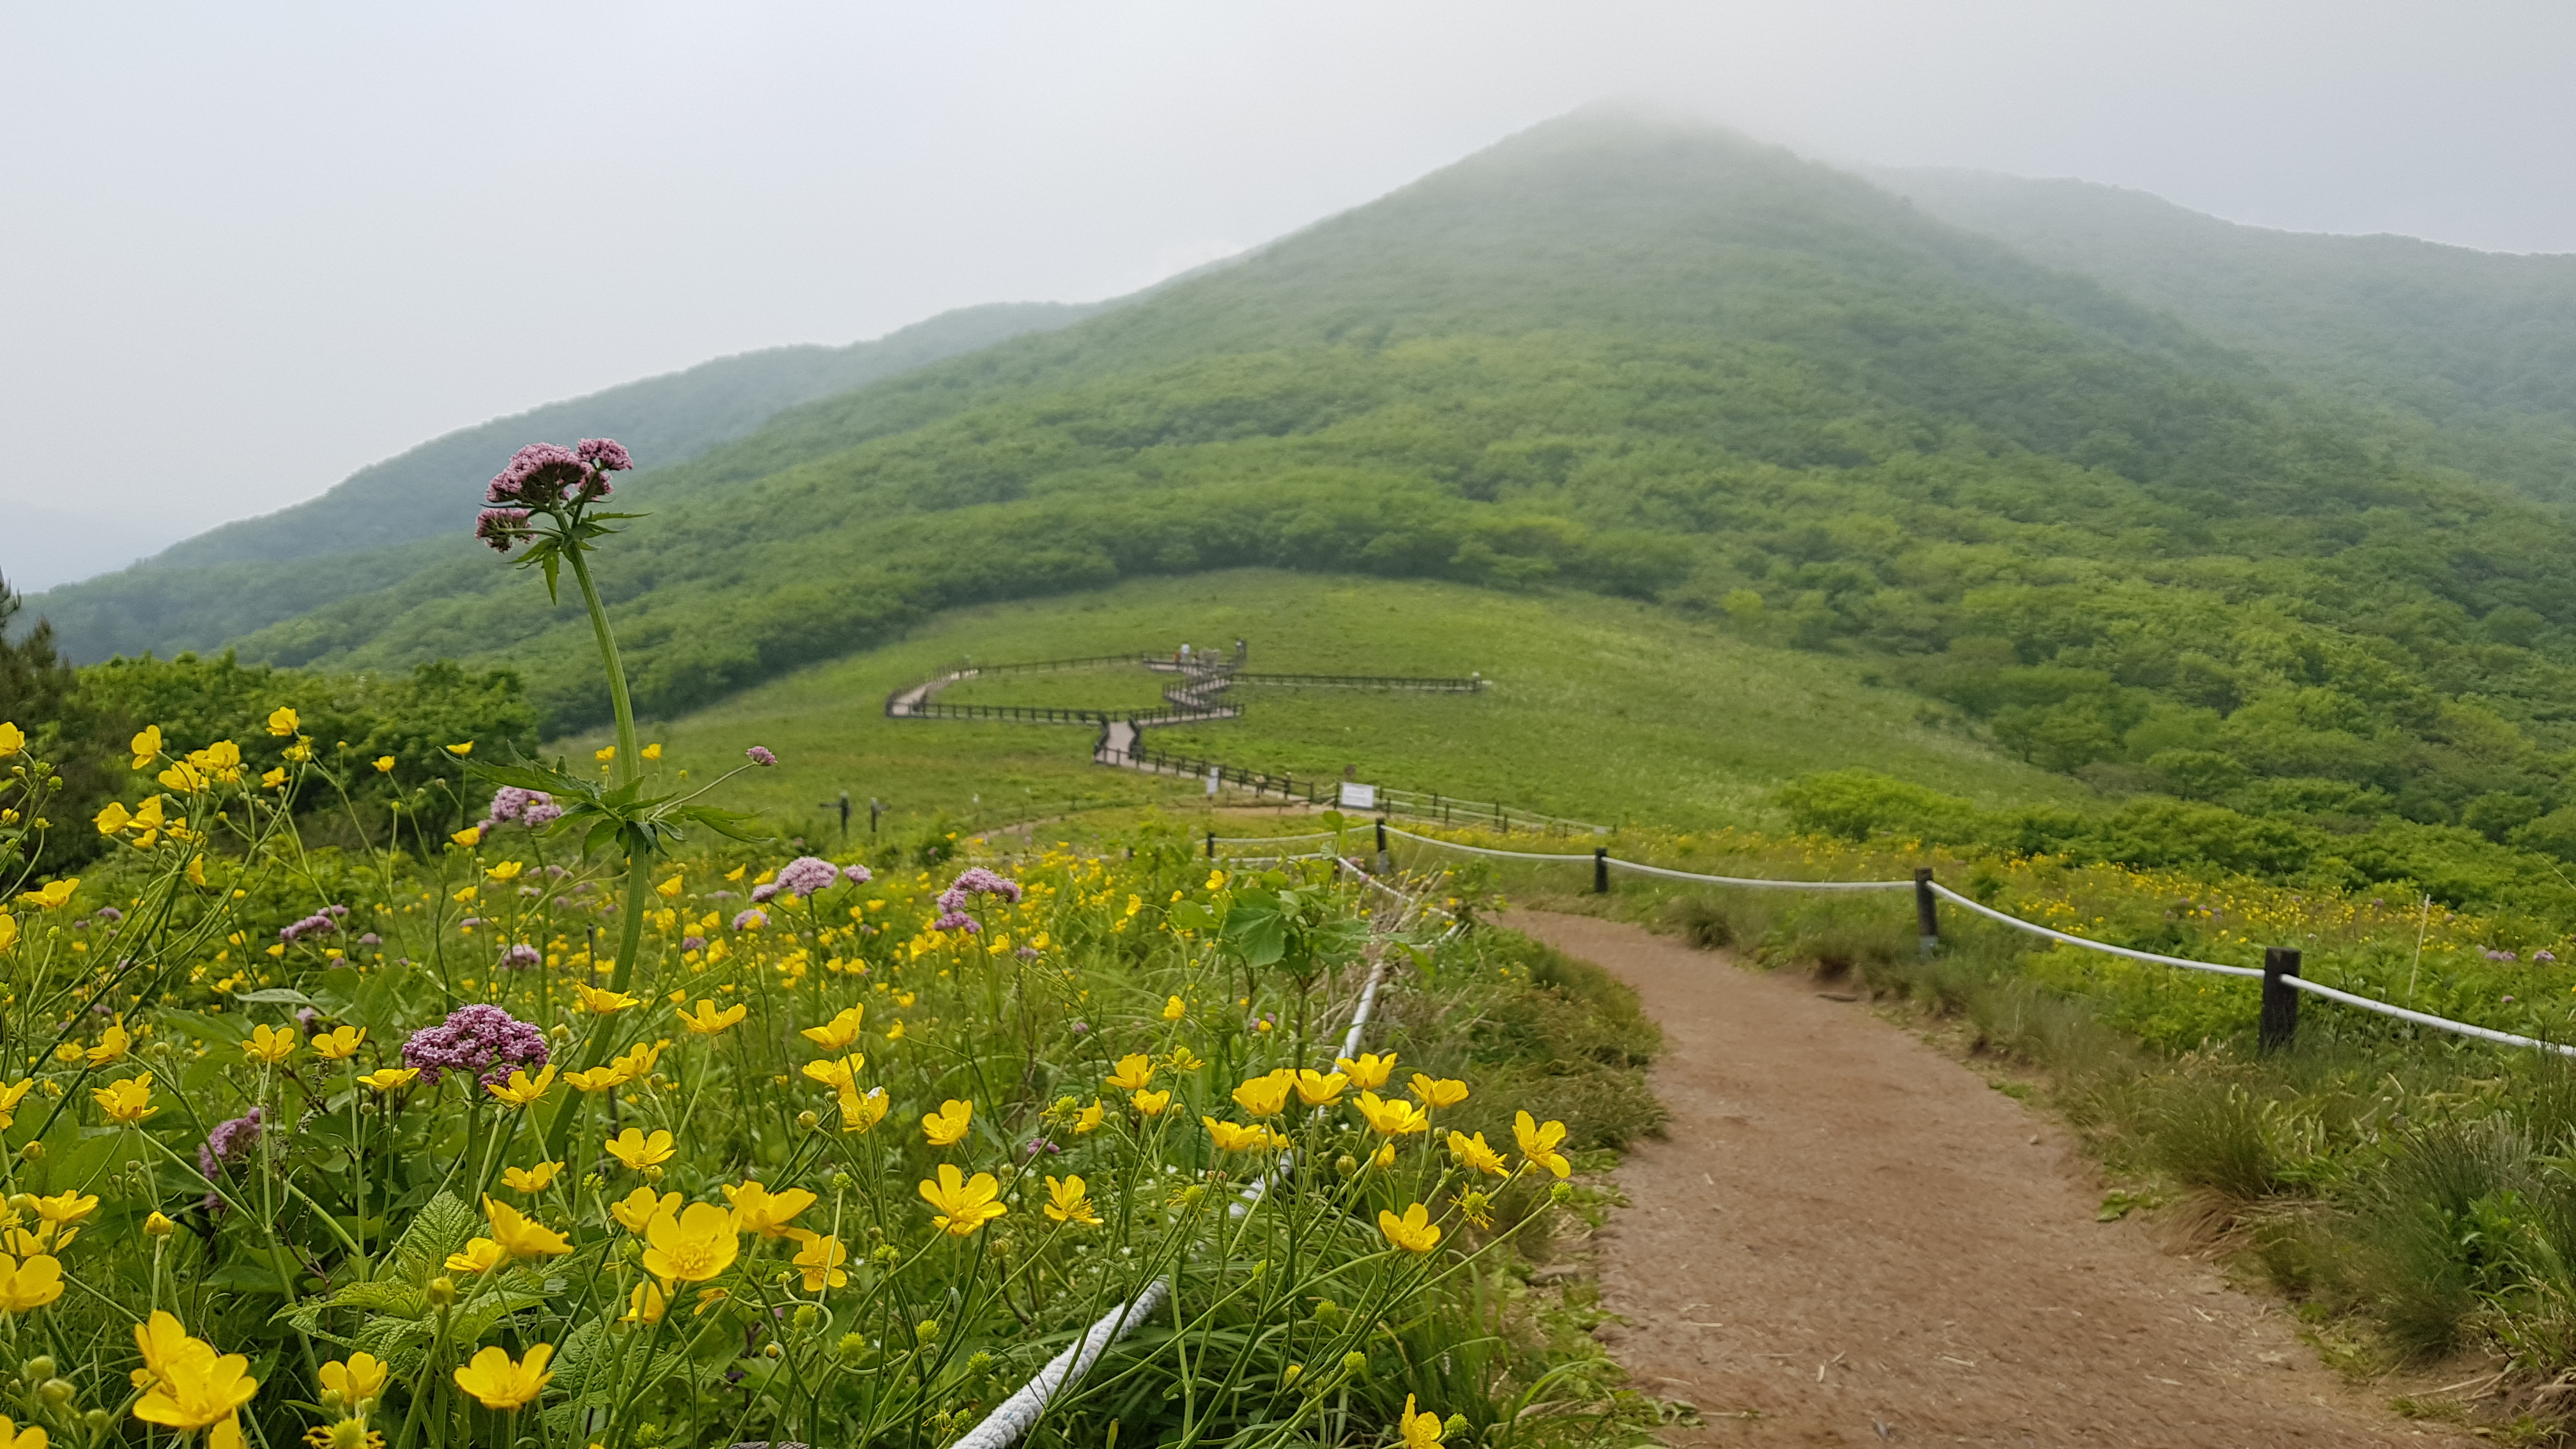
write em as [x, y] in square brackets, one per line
[1662, 361]
[2471, 354]
[365, 532]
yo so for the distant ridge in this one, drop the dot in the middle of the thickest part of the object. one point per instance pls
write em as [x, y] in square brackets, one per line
[360, 535]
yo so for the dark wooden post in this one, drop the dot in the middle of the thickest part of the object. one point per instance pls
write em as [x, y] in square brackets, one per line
[1211, 845]
[2280, 1020]
[1927, 919]
[1601, 870]
[1385, 862]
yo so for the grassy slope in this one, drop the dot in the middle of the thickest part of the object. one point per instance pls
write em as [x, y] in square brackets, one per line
[1601, 709]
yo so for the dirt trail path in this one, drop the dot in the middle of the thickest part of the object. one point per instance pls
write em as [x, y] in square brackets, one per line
[1848, 1238]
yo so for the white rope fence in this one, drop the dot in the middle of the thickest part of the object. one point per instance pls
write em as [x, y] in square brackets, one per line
[1020, 1412]
[2292, 981]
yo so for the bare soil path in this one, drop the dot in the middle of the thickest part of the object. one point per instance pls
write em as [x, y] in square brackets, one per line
[1849, 1238]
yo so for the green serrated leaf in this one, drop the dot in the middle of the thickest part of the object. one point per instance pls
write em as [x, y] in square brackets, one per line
[274, 996]
[442, 1227]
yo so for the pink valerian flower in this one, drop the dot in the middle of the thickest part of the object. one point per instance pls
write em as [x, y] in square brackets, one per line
[521, 957]
[481, 1039]
[760, 756]
[857, 874]
[534, 809]
[693, 943]
[321, 923]
[539, 475]
[956, 921]
[764, 894]
[605, 454]
[231, 1141]
[503, 528]
[807, 874]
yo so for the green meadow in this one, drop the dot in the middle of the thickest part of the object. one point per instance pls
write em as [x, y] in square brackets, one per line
[1600, 709]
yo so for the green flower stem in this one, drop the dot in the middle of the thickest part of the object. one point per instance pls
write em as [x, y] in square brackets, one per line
[624, 766]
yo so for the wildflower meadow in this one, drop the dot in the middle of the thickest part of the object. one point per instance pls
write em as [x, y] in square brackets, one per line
[608, 1120]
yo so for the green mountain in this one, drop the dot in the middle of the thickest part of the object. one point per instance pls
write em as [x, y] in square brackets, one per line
[2472, 352]
[364, 533]
[1650, 359]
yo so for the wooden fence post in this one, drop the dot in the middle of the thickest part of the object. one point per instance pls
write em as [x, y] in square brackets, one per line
[2280, 1019]
[1601, 870]
[1927, 919]
[1211, 845]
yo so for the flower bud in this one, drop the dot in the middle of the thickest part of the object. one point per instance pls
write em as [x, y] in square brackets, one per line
[779, 1278]
[57, 1393]
[885, 1257]
[33, 1152]
[37, 1369]
[1295, 1372]
[442, 1291]
[1354, 1363]
[773, 1350]
[21, 1202]
[159, 1226]
[98, 1422]
[808, 1120]
[1346, 1164]
[653, 1173]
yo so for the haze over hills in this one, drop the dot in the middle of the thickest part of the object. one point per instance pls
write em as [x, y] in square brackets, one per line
[1655, 359]
[366, 531]
[2480, 347]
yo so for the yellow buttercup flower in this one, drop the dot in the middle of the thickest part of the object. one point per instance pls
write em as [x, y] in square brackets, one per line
[1392, 1117]
[1266, 1096]
[481, 1255]
[652, 751]
[158, 1225]
[597, 1079]
[1474, 1152]
[1320, 1089]
[1182, 1059]
[112, 819]
[52, 895]
[758, 1210]
[820, 1258]
[494, 1379]
[1438, 1092]
[359, 1380]
[384, 764]
[599, 1002]
[11, 1096]
[691, 1246]
[1135, 1073]
[836, 1072]
[639, 1151]
[275, 779]
[270, 1044]
[282, 722]
[1539, 1143]
[460, 751]
[635, 1212]
[127, 1102]
[947, 1126]
[339, 1043]
[709, 1021]
[523, 1090]
[1091, 1117]
[8, 932]
[390, 1077]
[521, 1236]
[12, 739]
[66, 1209]
[146, 747]
[468, 837]
[505, 871]
[1069, 1201]
[1175, 1008]
[1414, 1232]
[531, 1179]
[839, 1032]
[191, 1386]
[647, 1303]
[1421, 1431]
[29, 1284]
[669, 889]
[963, 1204]
[113, 1044]
[1150, 1103]
[1234, 1136]
[1368, 1071]
[859, 1112]
[605, 754]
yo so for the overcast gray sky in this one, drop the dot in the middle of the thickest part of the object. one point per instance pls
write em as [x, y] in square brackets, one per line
[247, 248]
